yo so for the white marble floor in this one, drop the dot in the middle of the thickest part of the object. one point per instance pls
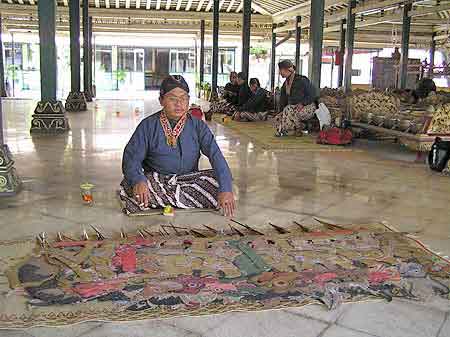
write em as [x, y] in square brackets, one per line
[369, 185]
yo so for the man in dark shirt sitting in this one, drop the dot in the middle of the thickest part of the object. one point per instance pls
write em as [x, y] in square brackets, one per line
[254, 108]
[231, 90]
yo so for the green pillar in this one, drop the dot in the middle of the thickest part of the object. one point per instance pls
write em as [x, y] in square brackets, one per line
[272, 59]
[215, 48]
[406, 29]
[2, 68]
[315, 42]
[76, 100]
[350, 41]
[49, 115]
[246, 33]
[298, 41]
[90, 58]
[86, 86]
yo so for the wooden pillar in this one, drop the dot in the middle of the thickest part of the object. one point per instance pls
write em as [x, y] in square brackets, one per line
[202, 51]
[341, 54]
[215, 49]
[76, 100]
[406, 29]
[315, 42]
[350, 41]
[49, 115]
[273, 59]
[298, 39]
[2, 67]
[86, 83]
[246, 33]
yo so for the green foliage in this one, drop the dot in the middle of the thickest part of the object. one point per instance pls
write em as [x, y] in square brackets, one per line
[12, 71]
[259, 52]
[120, 75]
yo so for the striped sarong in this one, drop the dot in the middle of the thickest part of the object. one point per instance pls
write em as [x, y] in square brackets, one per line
[194, 190]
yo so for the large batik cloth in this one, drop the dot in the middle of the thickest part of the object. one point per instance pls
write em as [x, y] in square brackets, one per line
[293, 119]
[194, 190]
[222, 107]
[136, 277]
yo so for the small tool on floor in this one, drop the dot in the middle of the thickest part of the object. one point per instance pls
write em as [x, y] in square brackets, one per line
[168, 211]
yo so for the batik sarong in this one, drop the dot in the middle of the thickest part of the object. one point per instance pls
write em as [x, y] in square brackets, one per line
[194, 190]
[222, 107]
[246, 116]
[292, 119]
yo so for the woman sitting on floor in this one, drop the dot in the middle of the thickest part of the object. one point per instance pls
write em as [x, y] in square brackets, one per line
[297, 101]
[255, 108]
[160, 162]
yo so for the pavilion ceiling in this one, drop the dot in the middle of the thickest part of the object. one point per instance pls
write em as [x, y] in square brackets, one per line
[378, 21]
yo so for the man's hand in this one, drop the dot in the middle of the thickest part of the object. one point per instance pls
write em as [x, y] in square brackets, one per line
[141, 193]
[299, 107]
[227, 203]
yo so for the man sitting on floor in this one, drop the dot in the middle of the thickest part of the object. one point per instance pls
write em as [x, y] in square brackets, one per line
[230, 97]
[231, 90]
[255, 108]
[160, 162]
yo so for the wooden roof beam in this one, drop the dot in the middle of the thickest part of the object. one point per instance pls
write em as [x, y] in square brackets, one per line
[260, 9]
[107, 4]
[209, 5]
[188, 6]
[200, 5]
[168, 3]
[138, 4]
[301, 9]
[148, 4]
[113, 13]
[241, 4]
[230, 6]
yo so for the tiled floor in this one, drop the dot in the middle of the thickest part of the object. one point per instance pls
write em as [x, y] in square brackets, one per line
[377, 184]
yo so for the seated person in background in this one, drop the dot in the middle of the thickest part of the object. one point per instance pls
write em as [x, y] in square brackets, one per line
[244, 90]
[255, 108]
[424, 87]
[297, 101]
[231, 90]
[229, 99]
[160, 162]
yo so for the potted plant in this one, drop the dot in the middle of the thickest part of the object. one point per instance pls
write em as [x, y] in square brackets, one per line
[259, 52]
[120, 76]
[206, 91]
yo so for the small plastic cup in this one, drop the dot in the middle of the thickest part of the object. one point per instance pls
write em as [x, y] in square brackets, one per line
[86, 193]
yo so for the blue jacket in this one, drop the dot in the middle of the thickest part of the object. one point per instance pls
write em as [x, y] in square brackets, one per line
[147, 151]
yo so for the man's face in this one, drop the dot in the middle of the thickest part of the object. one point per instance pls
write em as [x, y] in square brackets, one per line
[285, 72]
[175, 103]
[254, 87]
[233, 78]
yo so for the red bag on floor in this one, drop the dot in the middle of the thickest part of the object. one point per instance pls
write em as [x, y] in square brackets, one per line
[196, 112]
[335, 136]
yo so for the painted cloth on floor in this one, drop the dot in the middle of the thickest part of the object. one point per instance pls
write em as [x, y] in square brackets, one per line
[144, 276]
[293, 119]
[194, 190]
